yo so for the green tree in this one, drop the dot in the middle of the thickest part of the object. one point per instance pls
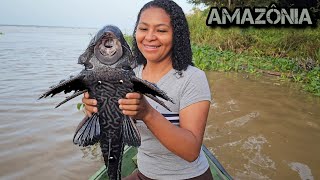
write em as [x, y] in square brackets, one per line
[232, 3]
[240, 3]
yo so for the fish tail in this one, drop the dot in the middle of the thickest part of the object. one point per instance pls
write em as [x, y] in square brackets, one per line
[112, 155]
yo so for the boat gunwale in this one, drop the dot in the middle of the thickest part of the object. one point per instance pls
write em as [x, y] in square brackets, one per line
[218, 170]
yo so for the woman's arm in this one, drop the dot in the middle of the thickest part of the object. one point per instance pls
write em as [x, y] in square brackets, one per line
[184, 141]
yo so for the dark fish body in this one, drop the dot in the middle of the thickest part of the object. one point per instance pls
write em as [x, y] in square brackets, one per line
[107, 92]
[108, 77]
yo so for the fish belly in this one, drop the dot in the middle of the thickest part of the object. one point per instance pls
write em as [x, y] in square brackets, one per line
[111, 119]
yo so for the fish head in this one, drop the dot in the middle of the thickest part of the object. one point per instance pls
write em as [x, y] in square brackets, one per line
[84, 58]
[108, 50]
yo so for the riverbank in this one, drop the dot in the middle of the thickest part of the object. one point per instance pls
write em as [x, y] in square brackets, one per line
[290, 53]
[207, 58]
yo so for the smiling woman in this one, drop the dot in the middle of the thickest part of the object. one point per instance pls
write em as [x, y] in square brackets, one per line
[154, 35]
[171, 138]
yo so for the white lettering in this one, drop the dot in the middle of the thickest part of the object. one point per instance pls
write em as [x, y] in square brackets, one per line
[214, 16]
[236, 14]
[285, 15]
[269, 16]
[305, 17]
[262, 11]
[263, 16]
[247, 16]
[296, 16]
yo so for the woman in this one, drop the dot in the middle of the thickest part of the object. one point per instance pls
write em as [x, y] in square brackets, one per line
[170, 141]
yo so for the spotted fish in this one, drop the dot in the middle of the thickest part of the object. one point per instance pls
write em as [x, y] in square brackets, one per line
[107, 76]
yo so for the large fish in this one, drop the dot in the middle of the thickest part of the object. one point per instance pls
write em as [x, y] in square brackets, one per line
[107, 76]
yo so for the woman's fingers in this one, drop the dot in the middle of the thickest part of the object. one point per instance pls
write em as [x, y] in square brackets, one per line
[129, 107]
[133, 95]
[91, 109]
[86, 95]
[129, 101]
[135, 106]
[90, 104]
[132, 114]
[87, 101]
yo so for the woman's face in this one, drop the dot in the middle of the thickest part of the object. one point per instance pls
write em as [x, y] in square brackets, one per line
[154, 35]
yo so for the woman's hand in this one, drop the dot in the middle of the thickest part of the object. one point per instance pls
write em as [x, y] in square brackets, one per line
[135, 105]
[90, 104]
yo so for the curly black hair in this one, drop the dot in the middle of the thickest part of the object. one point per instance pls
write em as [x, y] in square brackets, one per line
[181, 47]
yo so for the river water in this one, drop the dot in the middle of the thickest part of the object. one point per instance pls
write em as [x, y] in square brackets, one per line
[258, 127]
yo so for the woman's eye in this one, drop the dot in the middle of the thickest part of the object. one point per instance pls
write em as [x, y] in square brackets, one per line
[162, 31]
[143, 29]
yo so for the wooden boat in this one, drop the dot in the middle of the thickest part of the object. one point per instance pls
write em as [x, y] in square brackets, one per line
[129, 164]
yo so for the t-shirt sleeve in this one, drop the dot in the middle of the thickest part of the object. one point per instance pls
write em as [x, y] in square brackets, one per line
[195, 90]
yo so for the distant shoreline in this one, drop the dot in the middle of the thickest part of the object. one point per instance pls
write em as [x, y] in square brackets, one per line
[125, 31]
[25, 25]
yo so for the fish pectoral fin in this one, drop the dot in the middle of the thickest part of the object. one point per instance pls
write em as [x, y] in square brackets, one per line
[131, 135]
[146, 87]
[72, 84]
[151, 90]
[77, 93]
[88, 131]
[157, 100]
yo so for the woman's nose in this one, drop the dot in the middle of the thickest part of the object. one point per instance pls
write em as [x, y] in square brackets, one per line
[150, 36]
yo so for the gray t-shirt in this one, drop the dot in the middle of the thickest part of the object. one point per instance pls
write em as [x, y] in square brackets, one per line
[154, 160]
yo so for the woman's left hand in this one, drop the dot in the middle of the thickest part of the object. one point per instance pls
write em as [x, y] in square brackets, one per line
[135, 105]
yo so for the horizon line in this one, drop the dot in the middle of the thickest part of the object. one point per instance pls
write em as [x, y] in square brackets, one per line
[54, 26]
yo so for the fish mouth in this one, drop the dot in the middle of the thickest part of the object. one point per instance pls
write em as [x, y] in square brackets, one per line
[108, 50]
[107, 47]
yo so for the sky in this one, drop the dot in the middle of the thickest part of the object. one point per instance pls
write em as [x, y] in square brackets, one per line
[75, 13]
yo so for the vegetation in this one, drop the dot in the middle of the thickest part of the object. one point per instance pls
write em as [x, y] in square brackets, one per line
[232, 3]
[313, 5]
[286, 52]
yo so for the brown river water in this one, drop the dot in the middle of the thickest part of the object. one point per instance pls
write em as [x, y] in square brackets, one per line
[258, 127]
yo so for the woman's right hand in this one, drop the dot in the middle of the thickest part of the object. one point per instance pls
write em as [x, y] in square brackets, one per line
[90, 104]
